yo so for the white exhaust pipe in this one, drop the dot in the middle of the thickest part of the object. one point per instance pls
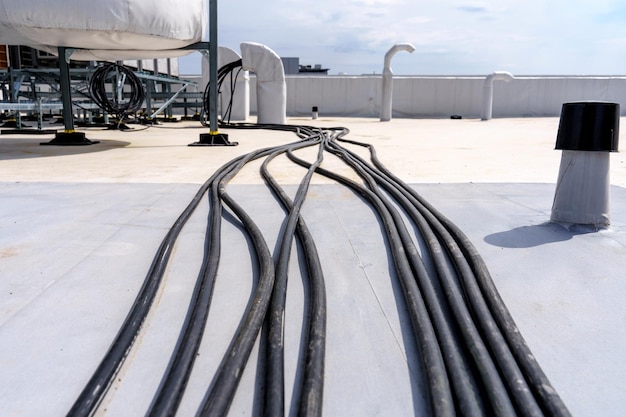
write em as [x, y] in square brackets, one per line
[487, 108]
[271, 88]
[386, 99]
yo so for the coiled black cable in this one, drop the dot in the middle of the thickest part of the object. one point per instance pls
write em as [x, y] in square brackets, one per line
[116, 100]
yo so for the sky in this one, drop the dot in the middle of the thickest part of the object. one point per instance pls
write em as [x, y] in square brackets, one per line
[529, 37]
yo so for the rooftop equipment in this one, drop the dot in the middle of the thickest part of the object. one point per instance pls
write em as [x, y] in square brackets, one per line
[271, 89]
[234, 99]
[112, 29]
[386, 101]
[109, 30]
[487, 108]
[588, 131]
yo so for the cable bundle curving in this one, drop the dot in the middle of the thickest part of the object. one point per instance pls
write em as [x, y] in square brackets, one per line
[474, 359]
[231, 72]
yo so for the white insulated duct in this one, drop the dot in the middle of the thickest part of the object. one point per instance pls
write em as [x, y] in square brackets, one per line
[271, 89]
[111, 29]
[487, 108]
[387, 99]
[241, 100]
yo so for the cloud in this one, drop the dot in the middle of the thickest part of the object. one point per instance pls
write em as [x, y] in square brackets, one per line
[473, 8]
[464, 36]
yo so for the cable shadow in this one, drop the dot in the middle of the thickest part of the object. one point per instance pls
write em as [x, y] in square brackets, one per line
[537, 235]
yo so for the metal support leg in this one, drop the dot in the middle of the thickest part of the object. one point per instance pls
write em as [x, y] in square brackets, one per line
[69, 137]
[213, 137]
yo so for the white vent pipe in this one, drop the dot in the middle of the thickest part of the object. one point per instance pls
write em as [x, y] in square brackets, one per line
[487, 108]
[386, 99]
[241, 100]
[271, 89]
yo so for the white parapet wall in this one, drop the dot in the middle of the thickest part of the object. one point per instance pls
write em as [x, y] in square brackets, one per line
[442, 97]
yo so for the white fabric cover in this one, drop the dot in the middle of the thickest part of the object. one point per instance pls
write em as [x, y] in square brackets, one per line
[271, 89]
[106, 27]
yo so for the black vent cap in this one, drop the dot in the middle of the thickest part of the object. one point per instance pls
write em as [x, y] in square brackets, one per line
[589, 126]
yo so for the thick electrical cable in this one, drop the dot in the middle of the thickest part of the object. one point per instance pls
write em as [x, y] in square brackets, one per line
[311, 392]
[170, 392]
[550, 401]
[469, 326]
[222, 389]
[223, 73]
[475, 361]
[440, 395]
[522, 397]
[102, 378]
[525, 403]
[275, 384]
[218, 397]
[497, 392]
[464, 386]
[220, 393]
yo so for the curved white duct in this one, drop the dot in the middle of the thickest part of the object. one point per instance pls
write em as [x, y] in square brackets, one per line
[116, 29]
[241, 99]
[487, 108]
[386, 100]
[271, 88]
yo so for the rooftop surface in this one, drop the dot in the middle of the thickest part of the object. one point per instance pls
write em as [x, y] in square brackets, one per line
[79, 227]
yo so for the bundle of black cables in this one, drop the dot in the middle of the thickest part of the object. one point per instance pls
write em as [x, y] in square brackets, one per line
[222, 74]
[474, 358]
[120, 105]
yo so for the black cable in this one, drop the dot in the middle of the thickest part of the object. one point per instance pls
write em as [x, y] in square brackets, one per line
[549, 400]
[475, 361]
[467, 392]
[311, 392]
[173, 383]
[117, 76]
[275, 387]
[440, 396]
[96, 388]
[515, 381]
[222, 388]
[222, 73]
[484, 362]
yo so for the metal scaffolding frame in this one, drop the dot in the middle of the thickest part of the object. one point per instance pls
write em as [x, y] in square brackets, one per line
[11, 100]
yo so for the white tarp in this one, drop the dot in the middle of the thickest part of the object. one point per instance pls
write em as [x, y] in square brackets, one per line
[122, 29]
